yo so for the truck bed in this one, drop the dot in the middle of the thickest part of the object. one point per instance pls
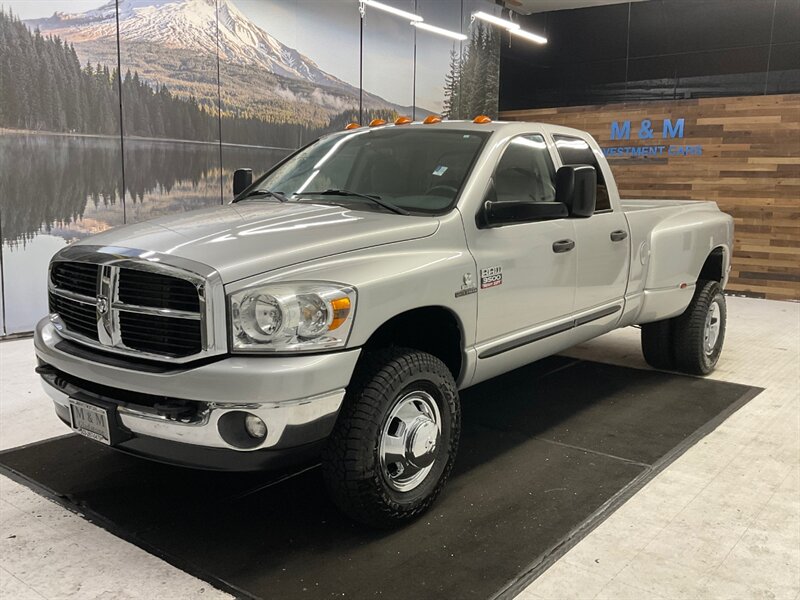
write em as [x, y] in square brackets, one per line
[670, 241]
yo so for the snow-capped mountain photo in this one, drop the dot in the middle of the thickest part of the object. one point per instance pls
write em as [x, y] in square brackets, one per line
[189, 25]
[176, 43]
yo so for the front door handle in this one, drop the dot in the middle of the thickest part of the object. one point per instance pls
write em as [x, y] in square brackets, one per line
[563, 246]
[618, 235]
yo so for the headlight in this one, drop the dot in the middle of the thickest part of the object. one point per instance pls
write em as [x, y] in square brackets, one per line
[285, 317]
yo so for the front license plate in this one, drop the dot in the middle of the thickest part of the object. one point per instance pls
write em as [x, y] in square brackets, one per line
[89, 420]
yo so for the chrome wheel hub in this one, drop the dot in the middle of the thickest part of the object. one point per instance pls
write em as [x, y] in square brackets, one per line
[409, 441]
[711, 331]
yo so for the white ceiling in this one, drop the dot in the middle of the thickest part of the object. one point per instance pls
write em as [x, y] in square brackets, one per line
[526, 7]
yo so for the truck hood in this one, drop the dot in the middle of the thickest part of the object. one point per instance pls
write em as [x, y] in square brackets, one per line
[246, 239]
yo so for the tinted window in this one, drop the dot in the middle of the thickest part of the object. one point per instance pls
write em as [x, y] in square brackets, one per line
[525, 172]
[575, 151]
[418, 169]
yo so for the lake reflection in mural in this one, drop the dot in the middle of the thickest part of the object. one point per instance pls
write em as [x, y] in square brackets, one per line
[56, 189]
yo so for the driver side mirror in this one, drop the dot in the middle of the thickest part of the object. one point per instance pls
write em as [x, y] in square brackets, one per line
[576, 186]
[508, 212]
[242, 179]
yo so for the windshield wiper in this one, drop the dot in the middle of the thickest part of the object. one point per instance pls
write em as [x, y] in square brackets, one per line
[373, 198]
[279, 196]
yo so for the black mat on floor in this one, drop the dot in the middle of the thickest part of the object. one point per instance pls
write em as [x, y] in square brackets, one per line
[547, 452]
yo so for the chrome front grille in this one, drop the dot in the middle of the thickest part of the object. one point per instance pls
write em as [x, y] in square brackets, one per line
[79, 317]
[161, 335]
[160, 291]
[141, 308]
[79, 278]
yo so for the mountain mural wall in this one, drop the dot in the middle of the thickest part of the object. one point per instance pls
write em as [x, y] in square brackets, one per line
[262, 78]
[138, 108]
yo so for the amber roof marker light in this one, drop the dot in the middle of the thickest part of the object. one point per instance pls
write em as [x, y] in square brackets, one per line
[402, 121]
[482, 120]
[432, 119]
[352, 126]
[377, 122]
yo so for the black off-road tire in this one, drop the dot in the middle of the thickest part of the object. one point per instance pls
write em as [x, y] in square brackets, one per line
[657, 345]
[351, 462]
[689, 330]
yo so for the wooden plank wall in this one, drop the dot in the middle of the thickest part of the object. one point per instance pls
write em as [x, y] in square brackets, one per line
[750, 165]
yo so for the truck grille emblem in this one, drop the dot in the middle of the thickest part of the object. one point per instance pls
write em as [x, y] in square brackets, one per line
[102, 305]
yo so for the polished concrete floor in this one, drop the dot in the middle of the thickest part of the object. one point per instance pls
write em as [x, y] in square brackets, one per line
[723, 521]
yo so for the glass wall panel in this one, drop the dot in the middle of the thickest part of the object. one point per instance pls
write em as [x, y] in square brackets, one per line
[60, 161]
[328, 33]
[479, 72]
[437, 58]
[388, 62]
[170, 94]
[300, 81]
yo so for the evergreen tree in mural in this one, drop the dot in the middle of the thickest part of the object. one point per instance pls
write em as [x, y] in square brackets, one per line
[452, 86]
[472, 83]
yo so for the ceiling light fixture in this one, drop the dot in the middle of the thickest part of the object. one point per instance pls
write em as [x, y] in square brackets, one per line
[510, 25]
[439, 30]
[391, 9]
[528, 36]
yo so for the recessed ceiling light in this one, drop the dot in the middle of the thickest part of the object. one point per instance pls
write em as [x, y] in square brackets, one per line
[392, 9]
[528, 36]
[510, 25]
[439, 30]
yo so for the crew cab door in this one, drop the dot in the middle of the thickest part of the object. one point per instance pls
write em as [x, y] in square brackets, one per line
[602, 242]
[527, 270]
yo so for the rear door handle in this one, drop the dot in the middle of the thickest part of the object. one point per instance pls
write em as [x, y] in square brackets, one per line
[618, 235]
[563, 246]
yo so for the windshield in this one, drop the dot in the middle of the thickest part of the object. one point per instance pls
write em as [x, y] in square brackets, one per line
[415, 170]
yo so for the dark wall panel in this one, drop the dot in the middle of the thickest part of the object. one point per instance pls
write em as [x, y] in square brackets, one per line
[667, 49]
[582, 35]
[675, 26]
[784, 69]
[787, 21]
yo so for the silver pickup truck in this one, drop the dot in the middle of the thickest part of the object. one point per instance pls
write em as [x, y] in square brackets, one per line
[334, 309]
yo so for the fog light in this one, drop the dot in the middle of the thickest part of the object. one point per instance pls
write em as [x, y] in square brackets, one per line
[255, 427]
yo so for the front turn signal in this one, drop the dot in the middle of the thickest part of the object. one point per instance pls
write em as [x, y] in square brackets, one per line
[341, 309]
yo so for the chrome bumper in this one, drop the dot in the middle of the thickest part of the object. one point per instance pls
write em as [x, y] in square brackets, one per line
[298, 398]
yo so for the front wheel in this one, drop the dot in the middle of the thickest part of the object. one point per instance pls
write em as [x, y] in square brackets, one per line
[395, 440]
